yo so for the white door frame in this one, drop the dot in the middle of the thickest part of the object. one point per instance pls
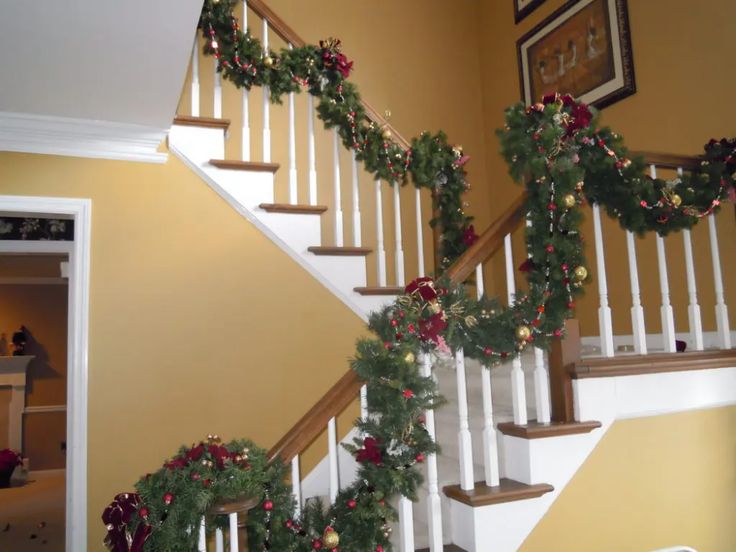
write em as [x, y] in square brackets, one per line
[77, 342]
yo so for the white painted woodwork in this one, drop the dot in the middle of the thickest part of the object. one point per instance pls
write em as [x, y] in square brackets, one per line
[465, 442]
[233, 532]
[245, 137]
[724, 333]
[266, 105]
[338, 220]
[695, 323]
[202, 540]
[479, 283]
[13, 371]
[380, 247]
[406, 525]
[219, 540]
[434, 505]
[296, 484]
[541, 387]
[333, 460]
[312, 160]
[364, 402]
[293, 191]
[399, 248]
[217, 94]
[420, 232]
[605, 325]
[490, 438]
[195, 77]
[357, 234]
[518, 385]
[637, 311]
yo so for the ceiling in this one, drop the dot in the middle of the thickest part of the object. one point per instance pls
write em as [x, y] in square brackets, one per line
[96, 60]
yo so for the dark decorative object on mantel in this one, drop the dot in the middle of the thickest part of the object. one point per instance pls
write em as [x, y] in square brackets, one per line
[19, 342]
[18, 228]
[522, 8]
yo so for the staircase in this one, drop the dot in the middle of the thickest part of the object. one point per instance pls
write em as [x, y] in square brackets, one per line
[511, 437]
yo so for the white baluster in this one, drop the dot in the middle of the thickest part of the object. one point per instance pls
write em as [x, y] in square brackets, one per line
[217, 95]
[637, 311]
[434, 506]
[219, 540]
[202, 541]
[195, 77]
[293, 195]
[364, 402]
[338, 193]
[233, 533]
[693, 309]
[420, 232]
[541, 387]
[518, 385]
[357, 234]
[245, 139]
[406, 525]
[724, 333]
[296, 484]
[465, 443]
[490, 438]
[605, 325]
[399, 253]
[479, 284]
[380, 249]
[311, 151]
[332, 456]
[266, 105]
[666, 312]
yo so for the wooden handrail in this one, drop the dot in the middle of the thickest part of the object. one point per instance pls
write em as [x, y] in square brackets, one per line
[669, 160]
[280, 27]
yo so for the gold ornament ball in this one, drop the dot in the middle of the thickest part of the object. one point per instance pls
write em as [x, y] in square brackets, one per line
[569, 201]
[523, 333]
[268, 61]
[581, 273]
[676, 200]
[409, 358]
[386, 134]
[331, 539]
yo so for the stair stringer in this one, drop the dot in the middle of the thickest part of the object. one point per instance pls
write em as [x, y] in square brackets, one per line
[244, 191]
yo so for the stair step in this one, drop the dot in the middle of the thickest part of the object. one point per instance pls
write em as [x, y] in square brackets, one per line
[507, 491]
[244, 165]
[293, 209]
[536, 430]
[208, 122]
[386, 290]
[340, 251]
[446, 548]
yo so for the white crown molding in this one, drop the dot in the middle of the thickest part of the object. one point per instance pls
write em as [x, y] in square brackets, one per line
[30, 133]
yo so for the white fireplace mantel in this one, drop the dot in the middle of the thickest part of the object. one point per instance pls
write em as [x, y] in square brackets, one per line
[13, 374]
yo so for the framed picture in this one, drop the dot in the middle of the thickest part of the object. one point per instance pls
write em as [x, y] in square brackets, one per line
[582, 49]
[522, 8]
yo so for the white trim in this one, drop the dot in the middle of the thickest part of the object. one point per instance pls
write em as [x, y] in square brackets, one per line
[33, 281]
[78, 345]
[42, 247]
[30, 133]
[44, 409]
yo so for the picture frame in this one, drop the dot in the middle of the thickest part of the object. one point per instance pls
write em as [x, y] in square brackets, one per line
[582, 49]
[522, 8]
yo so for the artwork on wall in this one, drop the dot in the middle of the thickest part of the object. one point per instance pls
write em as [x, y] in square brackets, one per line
[522, 8]
[19, 228]
[582, 49]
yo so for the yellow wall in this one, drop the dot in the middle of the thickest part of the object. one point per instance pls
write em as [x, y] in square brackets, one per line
[683, 99]
[650, 483]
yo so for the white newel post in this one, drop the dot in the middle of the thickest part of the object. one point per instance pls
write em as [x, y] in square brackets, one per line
[666, 312]
[399, 253]
[406, 525]
[637, 311]
[465, 442]
[293, 189]
[333, 460]
[605, 325]
[380, 247]
[357, 232]
[724, 333]
[266, 105]
[296, 484]
[245, 138]
[195, 77]
[518, 385]
[420, 232]
[434, 506]
[338, 226]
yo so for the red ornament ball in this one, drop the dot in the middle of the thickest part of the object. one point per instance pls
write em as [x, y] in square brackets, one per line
[550, 248]
[379, 548]
[168, 498]
[317, 544]
[487, 351]
[394, 322]
[143, 512]
[196, 477]
[289, 523]
[268, 505]
[352, 504]
[420, 457]
[408, 393]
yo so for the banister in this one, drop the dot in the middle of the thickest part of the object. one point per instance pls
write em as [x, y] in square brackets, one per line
[669, 160]
[280, 27]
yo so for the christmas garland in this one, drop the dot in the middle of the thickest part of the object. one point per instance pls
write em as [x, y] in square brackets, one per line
[323, 71]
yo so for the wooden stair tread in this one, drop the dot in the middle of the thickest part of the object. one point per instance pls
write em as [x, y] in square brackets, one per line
[627, 365]
[244, 165]
[446, 548]
[385, 290]
[293, 209]
[537, 430]
[207, 122]
[340, 251]
[508, 490]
